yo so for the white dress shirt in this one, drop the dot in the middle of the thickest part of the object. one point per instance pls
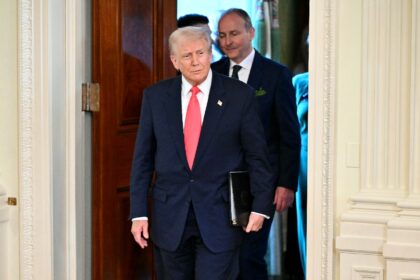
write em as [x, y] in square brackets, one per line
[246, 65]
[202, 96]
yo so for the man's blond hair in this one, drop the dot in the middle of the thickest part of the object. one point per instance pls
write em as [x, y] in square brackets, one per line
[190, 33]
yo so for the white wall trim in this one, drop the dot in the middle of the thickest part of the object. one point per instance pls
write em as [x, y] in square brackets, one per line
[322, 85]
[71, 223]
[414, 180]
[404, 276]
[366, 272]
[78, 141]
[25, 137]
[34, 143]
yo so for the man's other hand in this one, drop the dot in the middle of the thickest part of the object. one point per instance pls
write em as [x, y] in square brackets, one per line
[283, 198]
[140, 231]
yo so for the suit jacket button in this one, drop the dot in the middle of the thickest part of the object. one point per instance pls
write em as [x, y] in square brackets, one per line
[191, 180]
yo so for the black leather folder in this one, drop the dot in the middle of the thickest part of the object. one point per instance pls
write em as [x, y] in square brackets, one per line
[240, 197]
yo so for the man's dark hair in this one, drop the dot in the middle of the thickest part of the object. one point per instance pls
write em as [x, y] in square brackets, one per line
[191, 20]
[241, 13]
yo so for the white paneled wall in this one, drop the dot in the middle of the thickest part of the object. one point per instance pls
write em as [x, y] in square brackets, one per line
[4, 219]
[385, 96]
[380, 234]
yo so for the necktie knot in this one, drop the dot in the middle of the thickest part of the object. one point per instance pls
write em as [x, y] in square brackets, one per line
[235, 71]
[195, 90]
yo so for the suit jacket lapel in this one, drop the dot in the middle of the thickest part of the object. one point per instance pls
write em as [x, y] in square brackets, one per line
[225, 67]
[212, 118]
[257, 71]
[174, 117]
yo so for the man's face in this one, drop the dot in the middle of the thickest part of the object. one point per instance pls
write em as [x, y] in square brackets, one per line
[234, 39]
[193, 59]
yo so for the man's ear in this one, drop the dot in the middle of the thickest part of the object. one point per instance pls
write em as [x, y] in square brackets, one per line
[252, 33]
[174, 62]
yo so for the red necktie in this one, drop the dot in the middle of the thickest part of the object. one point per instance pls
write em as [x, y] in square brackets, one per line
[192, 127]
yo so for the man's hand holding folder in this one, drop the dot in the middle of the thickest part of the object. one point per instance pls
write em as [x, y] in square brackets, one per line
[241, 202]
[255, 222]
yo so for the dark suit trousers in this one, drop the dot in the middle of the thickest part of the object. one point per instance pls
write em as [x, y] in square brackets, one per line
[253, 249]
[192, 259]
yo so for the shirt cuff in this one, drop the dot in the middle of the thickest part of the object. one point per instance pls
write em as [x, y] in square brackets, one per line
[139, 219]
[265, 216]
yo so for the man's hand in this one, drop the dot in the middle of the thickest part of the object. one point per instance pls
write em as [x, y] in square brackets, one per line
[255, 222]
[140, 231]
[283, 198]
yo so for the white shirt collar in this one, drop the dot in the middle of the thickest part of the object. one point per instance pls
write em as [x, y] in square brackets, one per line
[202, 96]
[246, 63]
[204, 86]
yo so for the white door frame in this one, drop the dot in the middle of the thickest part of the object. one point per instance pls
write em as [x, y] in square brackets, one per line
[36, 248]
[321, 139]
[36, 151]
[34, 143]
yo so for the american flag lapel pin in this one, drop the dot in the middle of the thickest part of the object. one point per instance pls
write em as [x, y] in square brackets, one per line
[220, 103]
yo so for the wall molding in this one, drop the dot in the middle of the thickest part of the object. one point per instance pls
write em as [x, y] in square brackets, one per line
[404, 276]
[34, 142]
[26, 85]
[365, 272]
[322, 62]
[415, 103]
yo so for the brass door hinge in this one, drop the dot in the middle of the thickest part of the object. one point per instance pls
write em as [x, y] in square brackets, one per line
[90, 97]
[11, 201]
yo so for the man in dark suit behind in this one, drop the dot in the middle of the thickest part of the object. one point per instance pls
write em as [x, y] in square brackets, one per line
[193, 20]
[190, 223]
[277, 107]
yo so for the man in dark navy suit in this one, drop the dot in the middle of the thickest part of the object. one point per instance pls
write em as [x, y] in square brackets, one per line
[189, 217]
[193, 20]
[277, 107]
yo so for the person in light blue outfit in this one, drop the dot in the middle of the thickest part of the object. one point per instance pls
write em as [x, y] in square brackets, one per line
[300, 83]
